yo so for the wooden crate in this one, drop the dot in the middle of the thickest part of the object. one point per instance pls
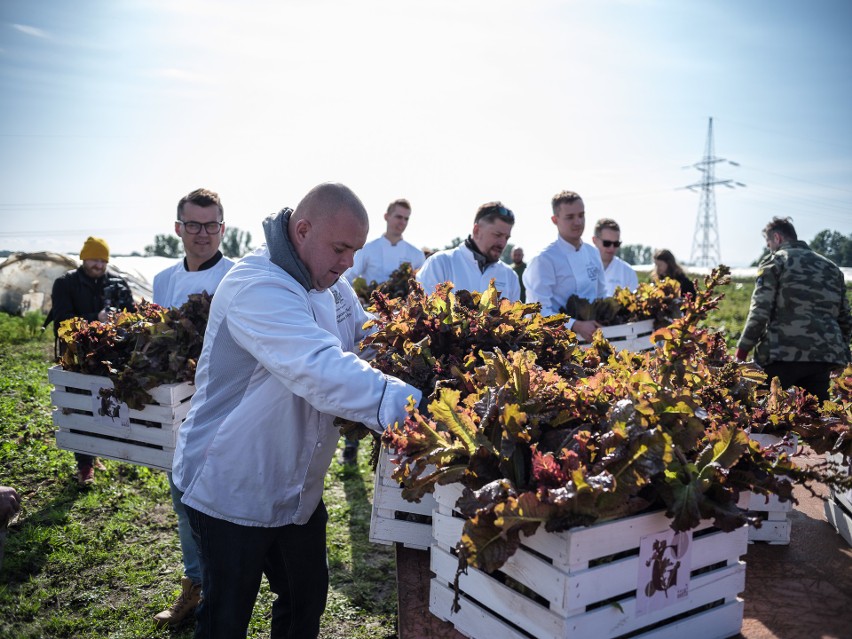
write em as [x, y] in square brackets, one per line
[146, 437]
[774, 513]
[838, 508]
[583, 583]
[634, 336]
[393, 519]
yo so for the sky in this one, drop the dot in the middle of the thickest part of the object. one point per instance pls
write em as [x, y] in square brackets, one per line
[110, 111]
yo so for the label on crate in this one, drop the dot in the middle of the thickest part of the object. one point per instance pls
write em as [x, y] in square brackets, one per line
[665, 562]
[108, 410]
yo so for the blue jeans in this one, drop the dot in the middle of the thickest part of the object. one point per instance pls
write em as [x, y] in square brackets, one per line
[188, 546]
[235, 557]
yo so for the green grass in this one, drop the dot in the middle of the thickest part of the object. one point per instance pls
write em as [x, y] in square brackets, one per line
[731, 315]
[101, 562]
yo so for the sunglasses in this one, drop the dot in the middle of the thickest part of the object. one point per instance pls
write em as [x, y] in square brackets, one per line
[500, 211]
[608, 243]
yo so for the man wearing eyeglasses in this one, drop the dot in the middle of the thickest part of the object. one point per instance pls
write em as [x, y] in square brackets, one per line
[200, 225]
[472, 264]
[618, 273]
[567, 266]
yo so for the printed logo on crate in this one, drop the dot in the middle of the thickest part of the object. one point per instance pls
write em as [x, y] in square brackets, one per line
[665, 562]
[108, 409]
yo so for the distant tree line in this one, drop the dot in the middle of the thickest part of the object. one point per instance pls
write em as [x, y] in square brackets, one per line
[636, 254]
[235, 243]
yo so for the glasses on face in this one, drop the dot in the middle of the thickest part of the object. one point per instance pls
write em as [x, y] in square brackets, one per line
[194, 228]
[608, 243]
[500, 211]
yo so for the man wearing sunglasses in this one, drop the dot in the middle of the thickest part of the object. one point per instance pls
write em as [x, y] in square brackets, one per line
[567, 266]
[472, 264]
[618, 272]
[200, 225]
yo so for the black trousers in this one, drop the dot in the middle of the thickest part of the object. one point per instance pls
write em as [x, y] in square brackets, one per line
[812, 376]
[233, 559]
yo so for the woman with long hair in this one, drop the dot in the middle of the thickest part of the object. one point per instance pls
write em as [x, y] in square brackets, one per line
[665, 265]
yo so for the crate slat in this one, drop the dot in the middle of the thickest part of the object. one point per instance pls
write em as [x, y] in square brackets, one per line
[167, 414]
[166, 394]
[473, 621]
[633, 336]
[161, 437]
[774, 513]
[840, 517]
[117, 450]
[386, 526]
[471, 618]
[390, 498]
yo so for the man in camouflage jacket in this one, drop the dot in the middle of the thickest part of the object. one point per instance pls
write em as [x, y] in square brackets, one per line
[799, 321]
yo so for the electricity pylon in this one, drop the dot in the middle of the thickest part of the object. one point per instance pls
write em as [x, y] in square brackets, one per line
[705, 242]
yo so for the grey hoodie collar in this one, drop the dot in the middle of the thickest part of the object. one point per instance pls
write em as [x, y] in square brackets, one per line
[282, 253]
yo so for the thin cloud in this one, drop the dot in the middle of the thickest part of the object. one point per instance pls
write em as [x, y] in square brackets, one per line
[179, 75]
[31, 31]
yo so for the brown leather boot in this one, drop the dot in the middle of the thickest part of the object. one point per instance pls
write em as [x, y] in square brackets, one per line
[183, 607]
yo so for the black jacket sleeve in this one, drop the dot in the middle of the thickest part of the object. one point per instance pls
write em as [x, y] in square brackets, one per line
[63, 298]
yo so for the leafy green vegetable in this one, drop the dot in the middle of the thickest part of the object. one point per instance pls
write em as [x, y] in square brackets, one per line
[659, 301]
[540, 432]
[138, 350]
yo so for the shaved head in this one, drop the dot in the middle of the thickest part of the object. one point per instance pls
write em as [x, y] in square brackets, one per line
[325, 200]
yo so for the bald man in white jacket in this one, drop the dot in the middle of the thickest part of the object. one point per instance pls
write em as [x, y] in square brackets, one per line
[276, 368]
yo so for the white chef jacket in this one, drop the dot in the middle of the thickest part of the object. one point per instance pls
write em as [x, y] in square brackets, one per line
[619, 273]
[560, 271]
[459, 266]
[277, 366]
[379, 258]
[174, 285]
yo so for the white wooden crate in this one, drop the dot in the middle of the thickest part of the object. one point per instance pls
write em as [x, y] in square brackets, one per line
[393, 519]
[634, 336]
[838, 508]
[580, 589]
[774, 513]
[146, 437]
